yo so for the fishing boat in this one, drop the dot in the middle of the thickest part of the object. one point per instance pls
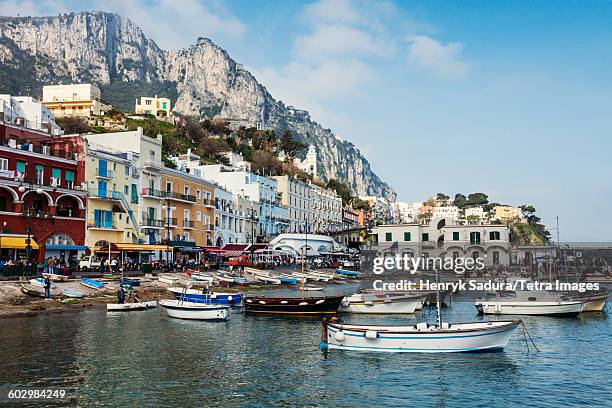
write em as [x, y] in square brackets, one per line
[346, 272]
[594, 301]
[540, 303]
[370, 303]
[241, 281]
[32, 290]
[302, 277]
[202, 277]
[92, 284]
[419, 338]
[198, 296]
[40, 282]
[323, 276]
[170, 280]
[223, 277]
[292, 306]
[128, 307]
[194, 311]
[263, 276]
[131, 281]
[56, 277]
[72, 293]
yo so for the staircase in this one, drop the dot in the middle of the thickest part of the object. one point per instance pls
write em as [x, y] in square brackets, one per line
[119, 195]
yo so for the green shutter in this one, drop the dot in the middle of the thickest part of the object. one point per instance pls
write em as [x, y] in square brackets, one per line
[389, 236]
[456, 236]
[69, 175]
[20, 167]
[56, 173]
[425, 237]
[407, 236]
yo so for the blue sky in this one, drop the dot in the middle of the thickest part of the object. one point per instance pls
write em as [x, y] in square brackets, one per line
[510, 98]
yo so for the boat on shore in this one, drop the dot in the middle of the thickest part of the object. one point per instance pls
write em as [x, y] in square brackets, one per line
[263, 276]
[55, 277]
[292, 306]
[179, 309]
[223, 277]
[323, 276]
[288, 279]
[346, 272]
[419, 338]
[198, 296]
[32, 290]
[372, 303]
[40, 282]
[170, 280]
[202, 277]
[72, 293]
[128, 307]
[535, 303]
[92, 284]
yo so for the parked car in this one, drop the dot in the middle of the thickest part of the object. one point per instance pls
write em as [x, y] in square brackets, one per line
[89, 263]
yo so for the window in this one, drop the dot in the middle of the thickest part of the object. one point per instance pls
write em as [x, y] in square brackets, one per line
[455, 256]
[57, 175]
[475, 237]
[20, 167]
[495, 257]
[126, 190]
[69, 179]
[407, 236]
[40, 173]
[147, 102]
[3, 164]
[168, 186]
[186, 190]
[425, 237]
[456, 236]
[198, 216]
[388, 236]
[134, 194]
[164, 105]
[198, 194]
[152, 154]
[494, 236]
[127, 170]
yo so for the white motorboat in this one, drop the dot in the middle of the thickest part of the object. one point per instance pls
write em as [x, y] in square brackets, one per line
[540, 303]
[127, 307]
[194, 311]
[422, 338]
[380, 304]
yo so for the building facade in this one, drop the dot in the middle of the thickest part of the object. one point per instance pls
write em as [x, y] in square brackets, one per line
[74, 100]
[27, 112]
[156, 106]
[309, 164]
[327, 210]
[297, 196]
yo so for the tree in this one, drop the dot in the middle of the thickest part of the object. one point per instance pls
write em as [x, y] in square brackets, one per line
[266, 163]
[73, 125]
[342, 189]
[478, 199]
[289, 145]
[473, 219]
[460, 201]
[359, 204]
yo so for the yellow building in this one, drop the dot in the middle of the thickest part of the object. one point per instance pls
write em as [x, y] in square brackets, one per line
[158, 107]
[112, 204]
[189, 209]
[74, 100]
[507, 213]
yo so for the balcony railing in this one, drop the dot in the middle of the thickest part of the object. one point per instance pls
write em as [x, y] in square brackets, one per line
[37, 213]
[46, 150]
[102, 224]
[178, 196]
[149, 192]
[107, 174]
[110, 194]
[153, 223]
[172, 222]
[188, 224]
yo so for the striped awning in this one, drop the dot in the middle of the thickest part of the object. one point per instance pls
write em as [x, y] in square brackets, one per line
[140, 247]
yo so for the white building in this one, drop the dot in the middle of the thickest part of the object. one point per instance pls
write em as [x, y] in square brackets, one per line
[381, 209]
[158, 107]
[228, 224]
[27, 112]
[312, 244]
[309, 165]
[74, 100]
[236, 161]
[449, 211]
[326, 210]
[297, 196]
[477, 214]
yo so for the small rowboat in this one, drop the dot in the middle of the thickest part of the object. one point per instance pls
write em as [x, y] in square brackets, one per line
[92, 284]
[325, 277]
[170, 280]
[284, 278]
[196, 296]
[32, 290]
[127, 307]
[56, 277]
[311, 306]
[222, 277]
[310, 288]
[380, 304]
[241, 282]
[263, 276]
[131, 281]
[346, 272]
[202, 277]
[179, 309]
[422, 338]
[71, 293]
[298, 277]
[40, 282]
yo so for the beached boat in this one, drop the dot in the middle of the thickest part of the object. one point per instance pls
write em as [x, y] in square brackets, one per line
[170, 280]
[72, 293]
[420, 338]
[241, 281]
[56, 277]
[198, 296]
[292, 306]
[32, 290]
[380, 304]
[40, 282]
[223, 277]
[540, 303]
[92, 283]
[312, 288]
[346, 272]
[131, 281]
[128, 307]
[288, 279]
[263, 276]
[323, 276]
[301, 278]
[194, 311]
[202, 277]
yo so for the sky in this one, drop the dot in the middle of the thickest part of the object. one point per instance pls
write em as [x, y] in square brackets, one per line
[509, 98]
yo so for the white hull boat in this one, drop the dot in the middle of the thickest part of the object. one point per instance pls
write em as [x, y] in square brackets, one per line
[71, 293]
[535, 303]
[221, 277]
[325, 277]
[169, 280]
[202, 277]
[422, 338]
[380, 304]
[127, 307]
[263, 276]
[194, 311]
[56, 277]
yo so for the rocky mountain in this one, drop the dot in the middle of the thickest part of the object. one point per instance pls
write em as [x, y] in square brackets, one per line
[203, 80]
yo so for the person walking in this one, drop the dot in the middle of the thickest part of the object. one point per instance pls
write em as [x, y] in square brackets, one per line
[114, 265]
[47, 288]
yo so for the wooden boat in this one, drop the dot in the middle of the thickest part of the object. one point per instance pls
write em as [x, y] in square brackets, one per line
[194, 311]
[380, 304]
[299, 278]
[32, 290]
[56, 277]
[594, 301]
[323, 276]
[285, 278]
[40, 282]
[421, 338]
[223, 277]
[127, 307]
[537, 303]
[92, 284]
[307, 276]
[198, 296]
[71, 293]
[241, 281]
[131, 281]
[346, 272]
[170, 280]
[263, 276]
[292, 306]
[311, 288]
[202, 277]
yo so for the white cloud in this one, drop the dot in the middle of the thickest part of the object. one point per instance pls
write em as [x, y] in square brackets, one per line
[27, 8]
[442, 60]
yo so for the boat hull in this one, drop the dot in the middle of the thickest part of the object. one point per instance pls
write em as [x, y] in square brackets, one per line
[483, 337]
[128, 307]
[312, 306]
[559, 309]
[191, 295]
[194, 311]
[407, 306]
[92, 284]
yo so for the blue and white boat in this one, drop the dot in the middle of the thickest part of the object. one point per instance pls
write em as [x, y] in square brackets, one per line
[197, 296]
[92, 283]
[291, 280]
[71, 293]
[346, 272]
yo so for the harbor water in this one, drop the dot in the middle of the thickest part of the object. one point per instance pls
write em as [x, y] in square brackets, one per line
[147, 359]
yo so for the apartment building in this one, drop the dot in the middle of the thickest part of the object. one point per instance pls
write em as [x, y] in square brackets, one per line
[74, 100]
[297, 196]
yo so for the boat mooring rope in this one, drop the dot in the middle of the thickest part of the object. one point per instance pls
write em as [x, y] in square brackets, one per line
[525, 335]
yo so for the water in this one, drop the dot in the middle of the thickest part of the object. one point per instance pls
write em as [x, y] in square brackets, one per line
[147, 359]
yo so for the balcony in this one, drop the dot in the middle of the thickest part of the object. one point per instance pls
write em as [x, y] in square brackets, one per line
[180, 197]
[153, 223]
[40, 149]
[187, 224]
[37, 213]
[209, 203]
[172, 222]
[107, 194]
[105, 225]
[152, 193]
[105, 174]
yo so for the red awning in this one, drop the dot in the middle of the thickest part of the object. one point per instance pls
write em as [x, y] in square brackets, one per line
[213, 250]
